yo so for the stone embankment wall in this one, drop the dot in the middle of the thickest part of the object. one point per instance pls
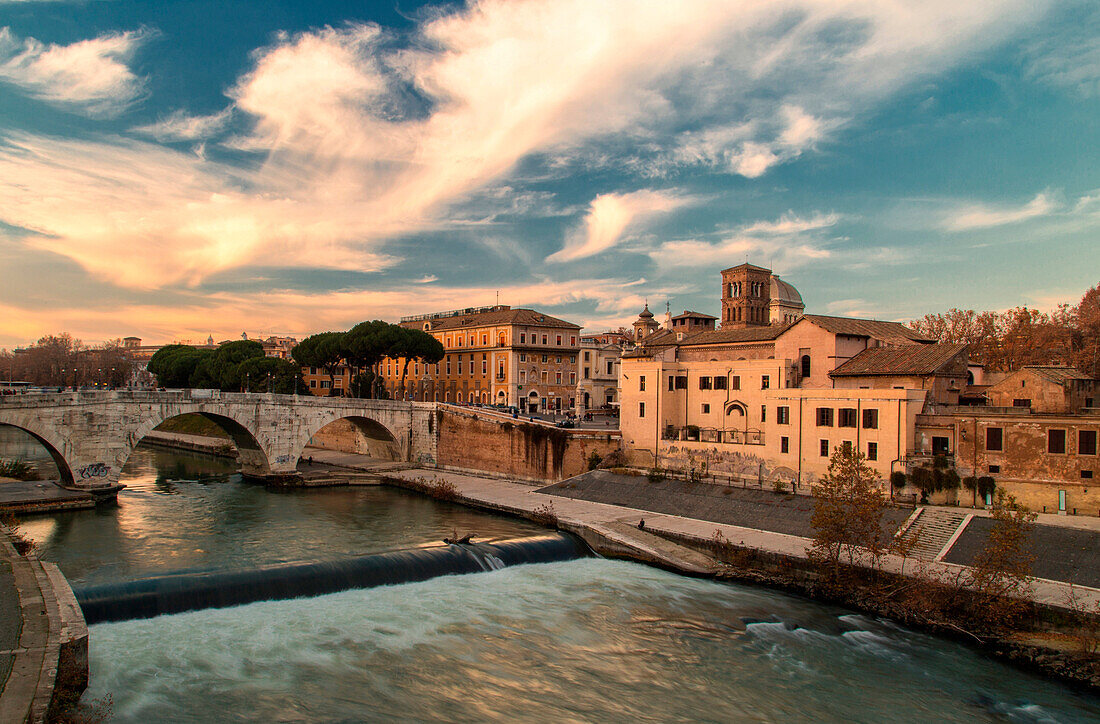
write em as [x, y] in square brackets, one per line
[516, 449]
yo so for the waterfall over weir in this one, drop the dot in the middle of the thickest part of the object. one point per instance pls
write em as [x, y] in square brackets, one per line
[190, 591]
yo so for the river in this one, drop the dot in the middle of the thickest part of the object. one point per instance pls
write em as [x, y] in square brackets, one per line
[587, 640]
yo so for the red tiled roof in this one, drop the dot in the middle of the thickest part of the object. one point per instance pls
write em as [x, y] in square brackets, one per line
[1057, 373]
[526, 317]
[910, 359]
[892, 332]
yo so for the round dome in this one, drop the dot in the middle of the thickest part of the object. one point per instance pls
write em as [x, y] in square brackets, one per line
[646, 314]
[784, 292]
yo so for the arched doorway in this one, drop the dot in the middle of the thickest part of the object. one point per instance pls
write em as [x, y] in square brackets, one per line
[532, 401]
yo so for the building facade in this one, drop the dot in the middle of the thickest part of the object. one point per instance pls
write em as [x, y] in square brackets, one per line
[493, 355]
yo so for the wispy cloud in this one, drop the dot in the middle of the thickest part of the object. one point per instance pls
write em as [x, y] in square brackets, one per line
[180, 126]
[610, 217]
[365, 137]
[980, 216]
[89, 76]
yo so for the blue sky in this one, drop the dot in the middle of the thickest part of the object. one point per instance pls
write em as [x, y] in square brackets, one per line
[175, 169]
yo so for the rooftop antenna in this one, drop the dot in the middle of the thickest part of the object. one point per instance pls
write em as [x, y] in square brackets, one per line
[498, 297]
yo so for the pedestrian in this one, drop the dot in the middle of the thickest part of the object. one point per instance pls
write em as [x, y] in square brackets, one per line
[641, 524]
[310, 460]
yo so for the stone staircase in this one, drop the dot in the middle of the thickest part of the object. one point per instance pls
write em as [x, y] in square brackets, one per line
[932, 529]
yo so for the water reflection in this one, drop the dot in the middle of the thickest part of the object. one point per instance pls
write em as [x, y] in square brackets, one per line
[184, 510]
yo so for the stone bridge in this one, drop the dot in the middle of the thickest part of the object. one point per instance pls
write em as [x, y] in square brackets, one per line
[90, 435]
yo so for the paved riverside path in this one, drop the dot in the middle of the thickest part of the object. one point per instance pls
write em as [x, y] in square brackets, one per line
[618, 523]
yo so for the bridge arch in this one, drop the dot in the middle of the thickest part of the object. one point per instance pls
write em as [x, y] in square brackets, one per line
[53, 446]
[354, 433]
[253, 458]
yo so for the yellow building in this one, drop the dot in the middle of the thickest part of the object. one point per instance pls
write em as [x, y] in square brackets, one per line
[493, 355]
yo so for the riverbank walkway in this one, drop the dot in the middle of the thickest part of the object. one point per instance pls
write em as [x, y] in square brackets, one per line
[619, 524]
[43, 639]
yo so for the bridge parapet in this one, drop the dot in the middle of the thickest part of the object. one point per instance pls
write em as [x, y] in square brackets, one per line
[90, 434]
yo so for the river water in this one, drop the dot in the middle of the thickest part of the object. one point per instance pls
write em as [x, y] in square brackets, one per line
[587, 640]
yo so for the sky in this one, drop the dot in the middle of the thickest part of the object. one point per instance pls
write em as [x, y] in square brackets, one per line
[172, 170]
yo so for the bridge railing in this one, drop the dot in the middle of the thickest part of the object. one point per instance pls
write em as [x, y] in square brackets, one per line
[184, 396]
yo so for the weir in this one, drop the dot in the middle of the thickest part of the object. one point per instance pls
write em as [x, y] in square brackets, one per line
[192, 591]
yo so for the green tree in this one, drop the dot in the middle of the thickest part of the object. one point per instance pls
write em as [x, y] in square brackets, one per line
[269, 374]
[848, 508]
[324, 350]
[174, 364]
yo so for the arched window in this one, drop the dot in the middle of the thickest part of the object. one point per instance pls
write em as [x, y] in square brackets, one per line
[735, 409]
[805, 365]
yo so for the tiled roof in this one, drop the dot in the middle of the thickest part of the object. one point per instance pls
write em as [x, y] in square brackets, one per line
[733, 336]
[697, 315]
[909, 359]
[1057, 373]
[526, 317]
[893, 332]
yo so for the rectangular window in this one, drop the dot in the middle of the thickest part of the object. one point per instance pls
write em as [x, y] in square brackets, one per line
[325, 384]
[484, 367]
[610, 363]
[940, 445]
[1021, 403]
[994, 439]
[765, 382]
[824, 417]
[720, 383]
[484, 340]
[545, 358]
[459, 365]
[784, 445]
[847, 417]
[641, 383]
[1086, 442]
[448, 365]
[559, 340]
[313, 384]
[559, 359]
[544, 339]
[872, 451]
[522, 338]
[545, 377]
[572, 378]
[522, 376]
[557, 378]
[783, 415]
[706, 409]
[587, 356]
[824, 448]
[586, 375]
[681, 382]
[870, 419]
[704, 383]
[572, 341]
[671, 383]
[1056, 442]
[735, 382]
[523, 358]
[763, 413]
[641, 409]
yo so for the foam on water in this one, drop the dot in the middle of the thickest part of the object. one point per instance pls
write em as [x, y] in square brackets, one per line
[591, 640]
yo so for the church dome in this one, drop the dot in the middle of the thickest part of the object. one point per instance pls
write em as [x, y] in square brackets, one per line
[784, 292]
[646, 314]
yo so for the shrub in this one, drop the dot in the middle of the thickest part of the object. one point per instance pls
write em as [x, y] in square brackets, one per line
[986, 486]
[614, 459]
[545, 515]
[779, 487]
[437, 488]
[594, 459]
[17, 469]
[655, 475]
[898, 480]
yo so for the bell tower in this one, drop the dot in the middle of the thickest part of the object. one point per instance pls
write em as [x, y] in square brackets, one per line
[746, 294]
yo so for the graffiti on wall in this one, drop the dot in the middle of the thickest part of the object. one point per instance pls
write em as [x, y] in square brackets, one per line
[95, 470]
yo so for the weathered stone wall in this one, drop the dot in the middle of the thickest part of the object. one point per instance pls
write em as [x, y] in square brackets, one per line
[520, 450]
[92, 434]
